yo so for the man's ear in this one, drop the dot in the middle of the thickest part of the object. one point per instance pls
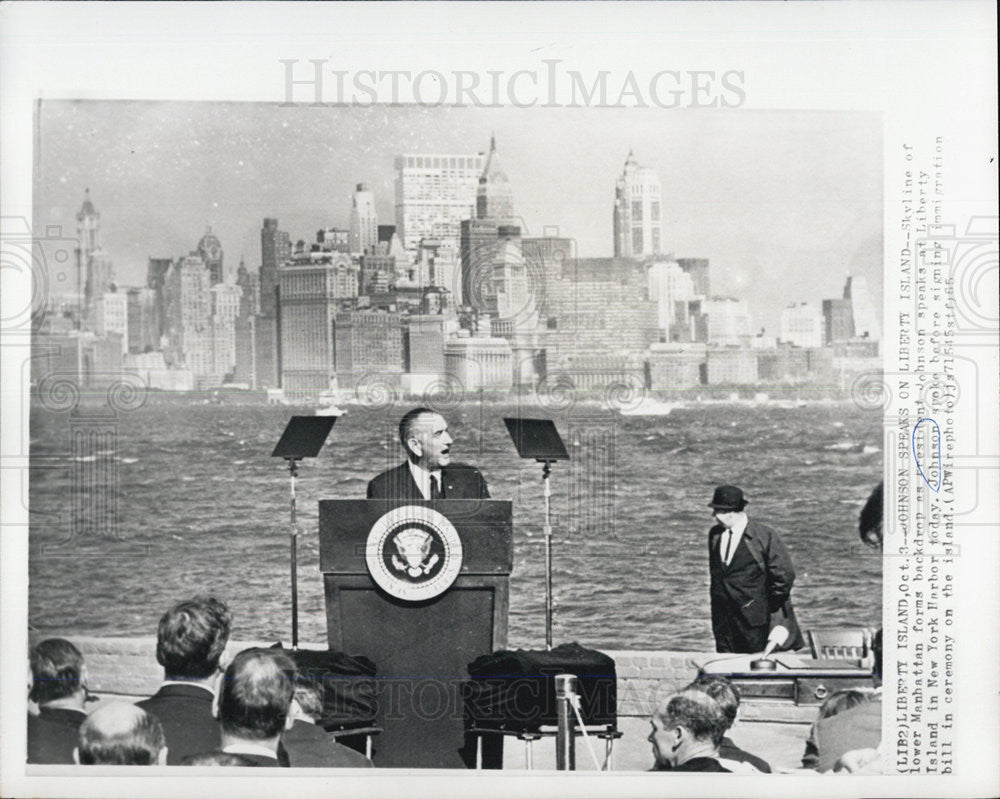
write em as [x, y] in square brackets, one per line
[76, 755]
[161, 759]
[414, 446]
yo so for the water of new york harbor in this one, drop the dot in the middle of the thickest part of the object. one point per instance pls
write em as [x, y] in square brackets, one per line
[177, 499]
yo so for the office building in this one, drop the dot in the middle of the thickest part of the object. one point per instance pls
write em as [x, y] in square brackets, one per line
[368, 345]
[838, 321]
[637, 225]
[479, 363]
[275, 249]
[866, 318]
[675, 365]
[802, 325]
[364, 220]
[143, 324]
[735, 367]
[697, 268]
[311, 289]
[210, 250]
[671, 288]
[434, 193]
[111, 316]
[720, 321]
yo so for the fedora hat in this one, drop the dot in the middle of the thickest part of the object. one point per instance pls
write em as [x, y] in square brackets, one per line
[728, 498]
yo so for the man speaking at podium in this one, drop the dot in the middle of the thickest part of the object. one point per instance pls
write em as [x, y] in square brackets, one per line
[428, 472]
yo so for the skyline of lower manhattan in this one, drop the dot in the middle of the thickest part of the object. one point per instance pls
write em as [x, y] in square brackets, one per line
[455, 283]
[784, 205]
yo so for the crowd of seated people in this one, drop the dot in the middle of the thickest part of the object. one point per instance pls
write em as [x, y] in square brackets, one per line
[255, 711]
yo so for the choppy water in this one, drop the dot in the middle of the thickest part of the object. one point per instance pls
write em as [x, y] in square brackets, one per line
[201, 507]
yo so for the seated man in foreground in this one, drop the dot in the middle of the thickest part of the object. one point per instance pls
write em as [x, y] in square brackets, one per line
[57, 685]
[309, 745]
[428, 472]
[255, 703]
[728, 697]
[687, 731]
[190, 640]
[121, 734]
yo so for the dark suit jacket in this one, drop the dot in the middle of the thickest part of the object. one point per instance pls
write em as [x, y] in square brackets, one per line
[309, 746]
[52, 735]
[459, 482]
[702, 764]
[760, 597]
[730, 751]
[258, 760]
[185, 711]
[859, 727]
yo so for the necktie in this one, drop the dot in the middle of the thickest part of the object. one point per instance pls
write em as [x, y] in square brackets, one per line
[729, 540]
[435, 490]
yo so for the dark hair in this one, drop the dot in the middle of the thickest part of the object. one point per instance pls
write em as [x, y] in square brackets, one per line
[191, 638]
[697, 712]
[309, 695]
[216, 759]
[722, 691]
[870, 520]
[406, 424]
[256, 694]
[840, 701]
[56, 668]
[120, 734]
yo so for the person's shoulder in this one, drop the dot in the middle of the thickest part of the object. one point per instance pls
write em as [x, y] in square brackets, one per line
[462, 468]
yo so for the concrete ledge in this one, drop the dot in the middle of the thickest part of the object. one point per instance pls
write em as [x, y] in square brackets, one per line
[127, 667]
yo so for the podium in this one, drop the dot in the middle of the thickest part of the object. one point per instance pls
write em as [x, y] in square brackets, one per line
[421, 645]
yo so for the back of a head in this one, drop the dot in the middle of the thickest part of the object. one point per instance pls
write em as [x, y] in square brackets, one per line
[56, 670]
[216, 759]
[722, 691]
[256, 694]
[120, 734]
[840, 701]
[191, 638]
[698, 713]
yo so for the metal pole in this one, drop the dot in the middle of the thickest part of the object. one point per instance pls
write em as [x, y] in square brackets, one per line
[547, 468]
[565, 732]
[293, 471]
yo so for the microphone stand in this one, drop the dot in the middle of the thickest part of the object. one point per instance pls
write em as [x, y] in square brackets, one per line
[547, 530]
[293, 471]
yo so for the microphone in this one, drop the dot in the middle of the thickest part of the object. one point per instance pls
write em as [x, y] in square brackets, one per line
[777, 636]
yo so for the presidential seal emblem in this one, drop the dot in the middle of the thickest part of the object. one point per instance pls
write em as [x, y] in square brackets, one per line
[413, 553]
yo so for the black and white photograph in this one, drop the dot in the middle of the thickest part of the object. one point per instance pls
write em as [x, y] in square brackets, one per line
[417, 416]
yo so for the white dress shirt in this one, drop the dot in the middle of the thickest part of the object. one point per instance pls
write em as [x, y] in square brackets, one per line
[422, 478]
[736, 531]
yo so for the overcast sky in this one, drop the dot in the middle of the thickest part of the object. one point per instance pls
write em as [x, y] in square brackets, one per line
[784, 204]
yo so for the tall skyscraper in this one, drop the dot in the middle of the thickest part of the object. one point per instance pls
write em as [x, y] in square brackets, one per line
[210, 250]
[637, 225]
[188, 317]
[866, 319]
[364, 220]
[494, 198]
[275, 249]
[143, 321]
[311, 291]
[434, 193]
[88, 236]
[368, 344]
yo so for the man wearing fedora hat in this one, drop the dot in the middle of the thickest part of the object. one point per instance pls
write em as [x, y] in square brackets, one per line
[751, 580]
